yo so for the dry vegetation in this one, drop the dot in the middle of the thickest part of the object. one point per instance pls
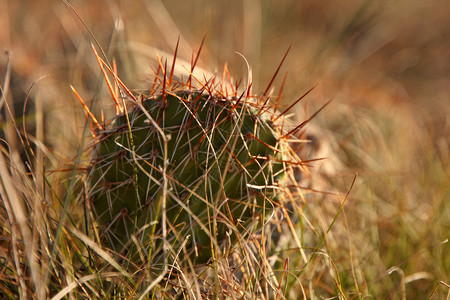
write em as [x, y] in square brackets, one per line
[386, 66]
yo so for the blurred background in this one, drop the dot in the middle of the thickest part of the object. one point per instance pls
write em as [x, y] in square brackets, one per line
[381, 55]
[385, 64]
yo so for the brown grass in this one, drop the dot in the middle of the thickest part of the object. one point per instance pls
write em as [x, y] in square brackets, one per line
[384, 64]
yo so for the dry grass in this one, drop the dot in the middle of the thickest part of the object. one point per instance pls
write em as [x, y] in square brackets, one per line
[388, 123]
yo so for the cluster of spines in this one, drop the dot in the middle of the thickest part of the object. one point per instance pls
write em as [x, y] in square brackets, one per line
[125, 136]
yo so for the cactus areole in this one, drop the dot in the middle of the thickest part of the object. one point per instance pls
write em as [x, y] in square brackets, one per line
[215, 163]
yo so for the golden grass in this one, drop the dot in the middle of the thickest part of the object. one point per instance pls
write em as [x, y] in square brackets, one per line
[388, 123]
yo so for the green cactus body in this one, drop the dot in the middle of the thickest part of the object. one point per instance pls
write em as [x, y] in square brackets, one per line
[223, 161]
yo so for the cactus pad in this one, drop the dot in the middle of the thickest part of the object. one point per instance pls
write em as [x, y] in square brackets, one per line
[215, 163]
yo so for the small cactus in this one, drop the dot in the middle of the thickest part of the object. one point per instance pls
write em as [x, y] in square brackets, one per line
[189, 169]
[217, 155]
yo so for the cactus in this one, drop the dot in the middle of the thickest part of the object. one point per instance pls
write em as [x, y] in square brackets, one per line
[218, 156]
[191, 169]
